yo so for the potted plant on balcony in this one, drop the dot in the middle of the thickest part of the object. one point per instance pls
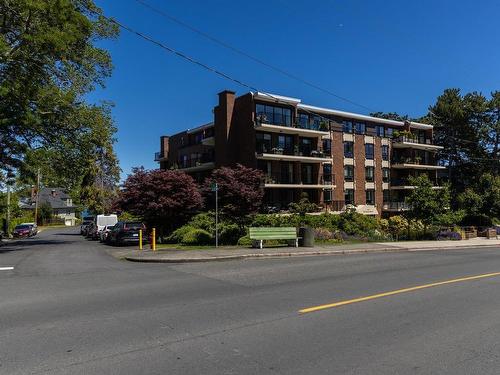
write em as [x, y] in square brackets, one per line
[323, 126]
[261, 118]
[296, 150]
[277, 150]
[418, 159]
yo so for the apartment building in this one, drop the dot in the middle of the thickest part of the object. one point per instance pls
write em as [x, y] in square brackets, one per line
[338, 158]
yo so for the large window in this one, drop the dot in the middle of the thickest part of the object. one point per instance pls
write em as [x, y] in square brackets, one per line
[263, 142]
[370, 196]
[380, 131]
[327, 146]
[285, 142]
[389, 132]
[347, 126]
[305, 146]
[348, 149]
[349, 172]
[306, 174]
[360, 128]
[386, 196]
[327, 197]
[273, 115]
[385, 174]
[369, 174]
[385, 152]
[327, 173]
[349, 196]
[369, 151]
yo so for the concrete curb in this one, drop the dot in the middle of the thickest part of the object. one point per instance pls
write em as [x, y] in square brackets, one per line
[295, 254]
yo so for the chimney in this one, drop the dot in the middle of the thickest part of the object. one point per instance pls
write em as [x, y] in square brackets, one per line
[164, 146]
[223, 115]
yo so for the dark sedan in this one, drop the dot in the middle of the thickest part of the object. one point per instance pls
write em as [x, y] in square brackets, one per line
[126, 232]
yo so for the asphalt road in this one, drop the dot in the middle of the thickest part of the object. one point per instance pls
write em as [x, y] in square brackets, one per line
[69, 308]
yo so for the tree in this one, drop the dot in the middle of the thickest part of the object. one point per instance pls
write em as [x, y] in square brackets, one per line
[48, 63]
[483, 199]
[163, 199]
[240, 191]
[426, 203]
[303, 206]
[390, 116]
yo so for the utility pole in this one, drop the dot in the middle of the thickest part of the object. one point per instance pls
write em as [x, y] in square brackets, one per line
[37, 194]
[8, 209]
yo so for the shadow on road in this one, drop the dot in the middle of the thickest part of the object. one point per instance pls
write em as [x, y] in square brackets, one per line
[28, 243]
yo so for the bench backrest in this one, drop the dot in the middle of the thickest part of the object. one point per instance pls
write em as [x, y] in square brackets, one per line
[273, 233]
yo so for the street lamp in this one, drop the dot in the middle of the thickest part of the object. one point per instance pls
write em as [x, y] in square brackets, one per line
[10, 181]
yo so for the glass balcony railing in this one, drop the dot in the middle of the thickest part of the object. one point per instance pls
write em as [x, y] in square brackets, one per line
[289, 179]
[409, 139]
[284, 120]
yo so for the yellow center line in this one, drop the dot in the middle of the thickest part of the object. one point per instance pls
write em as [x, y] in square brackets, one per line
[391, 293]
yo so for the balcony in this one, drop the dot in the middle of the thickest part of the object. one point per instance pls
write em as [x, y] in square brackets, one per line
[395, 206]
[413, 142]
[160, 157]
[285, 180]
[404, 184]
[302, 155]
[289, 127]
[202, 163]
[415, 163]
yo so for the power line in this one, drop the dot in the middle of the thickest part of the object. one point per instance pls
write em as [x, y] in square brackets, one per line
[247, 55]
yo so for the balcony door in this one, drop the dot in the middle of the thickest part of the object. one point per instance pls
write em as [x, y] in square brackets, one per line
[285, 142]
[307, 174]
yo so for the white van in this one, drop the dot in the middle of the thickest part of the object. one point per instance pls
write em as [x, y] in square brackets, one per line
[102, 221]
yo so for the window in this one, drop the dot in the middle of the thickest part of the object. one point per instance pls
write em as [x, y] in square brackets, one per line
[360, 128]
[273, 115]
[369, 173]
[327, 195]
[349, 172]
[305, 146]
[385, 152]
[303, 120]
[306, 174]
[380, 131]
[386, 196]
[347, 126]
[327, 146]
[327, 173]
[286, 143]
[263, 142]
[369, 151]
[385, 174]
[348, 149]
[370, 196]
[349, 196]
[389, 132]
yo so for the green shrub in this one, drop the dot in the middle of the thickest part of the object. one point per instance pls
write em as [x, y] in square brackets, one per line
[229, 234]
[245, 241]
[205, 221]
[197, 237]
[177, 235]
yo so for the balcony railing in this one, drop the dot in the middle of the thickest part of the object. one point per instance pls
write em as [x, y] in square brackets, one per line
[414, 160]
[158, 156]
[281, 120]
[195, 162]
[296, 151]
[396, 206]
[289, 179]
[407, 139]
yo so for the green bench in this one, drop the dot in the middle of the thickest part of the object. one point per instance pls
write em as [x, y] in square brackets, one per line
[261, 234]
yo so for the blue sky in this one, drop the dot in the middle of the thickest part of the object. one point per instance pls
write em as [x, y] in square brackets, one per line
[389, 55]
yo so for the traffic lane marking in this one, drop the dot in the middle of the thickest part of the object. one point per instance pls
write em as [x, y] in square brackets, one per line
[394, 292]
[6, 268]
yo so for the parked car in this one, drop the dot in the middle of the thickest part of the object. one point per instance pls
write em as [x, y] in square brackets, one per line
[85, 223]
[21, 230]
[102, 221]
[126, 232]
[33, 228]
[91, 231]
[103, 234]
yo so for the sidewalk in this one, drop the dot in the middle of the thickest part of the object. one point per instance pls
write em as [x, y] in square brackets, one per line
[207, 255]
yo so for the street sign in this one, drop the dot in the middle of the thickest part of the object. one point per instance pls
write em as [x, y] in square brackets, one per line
[214, 186]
